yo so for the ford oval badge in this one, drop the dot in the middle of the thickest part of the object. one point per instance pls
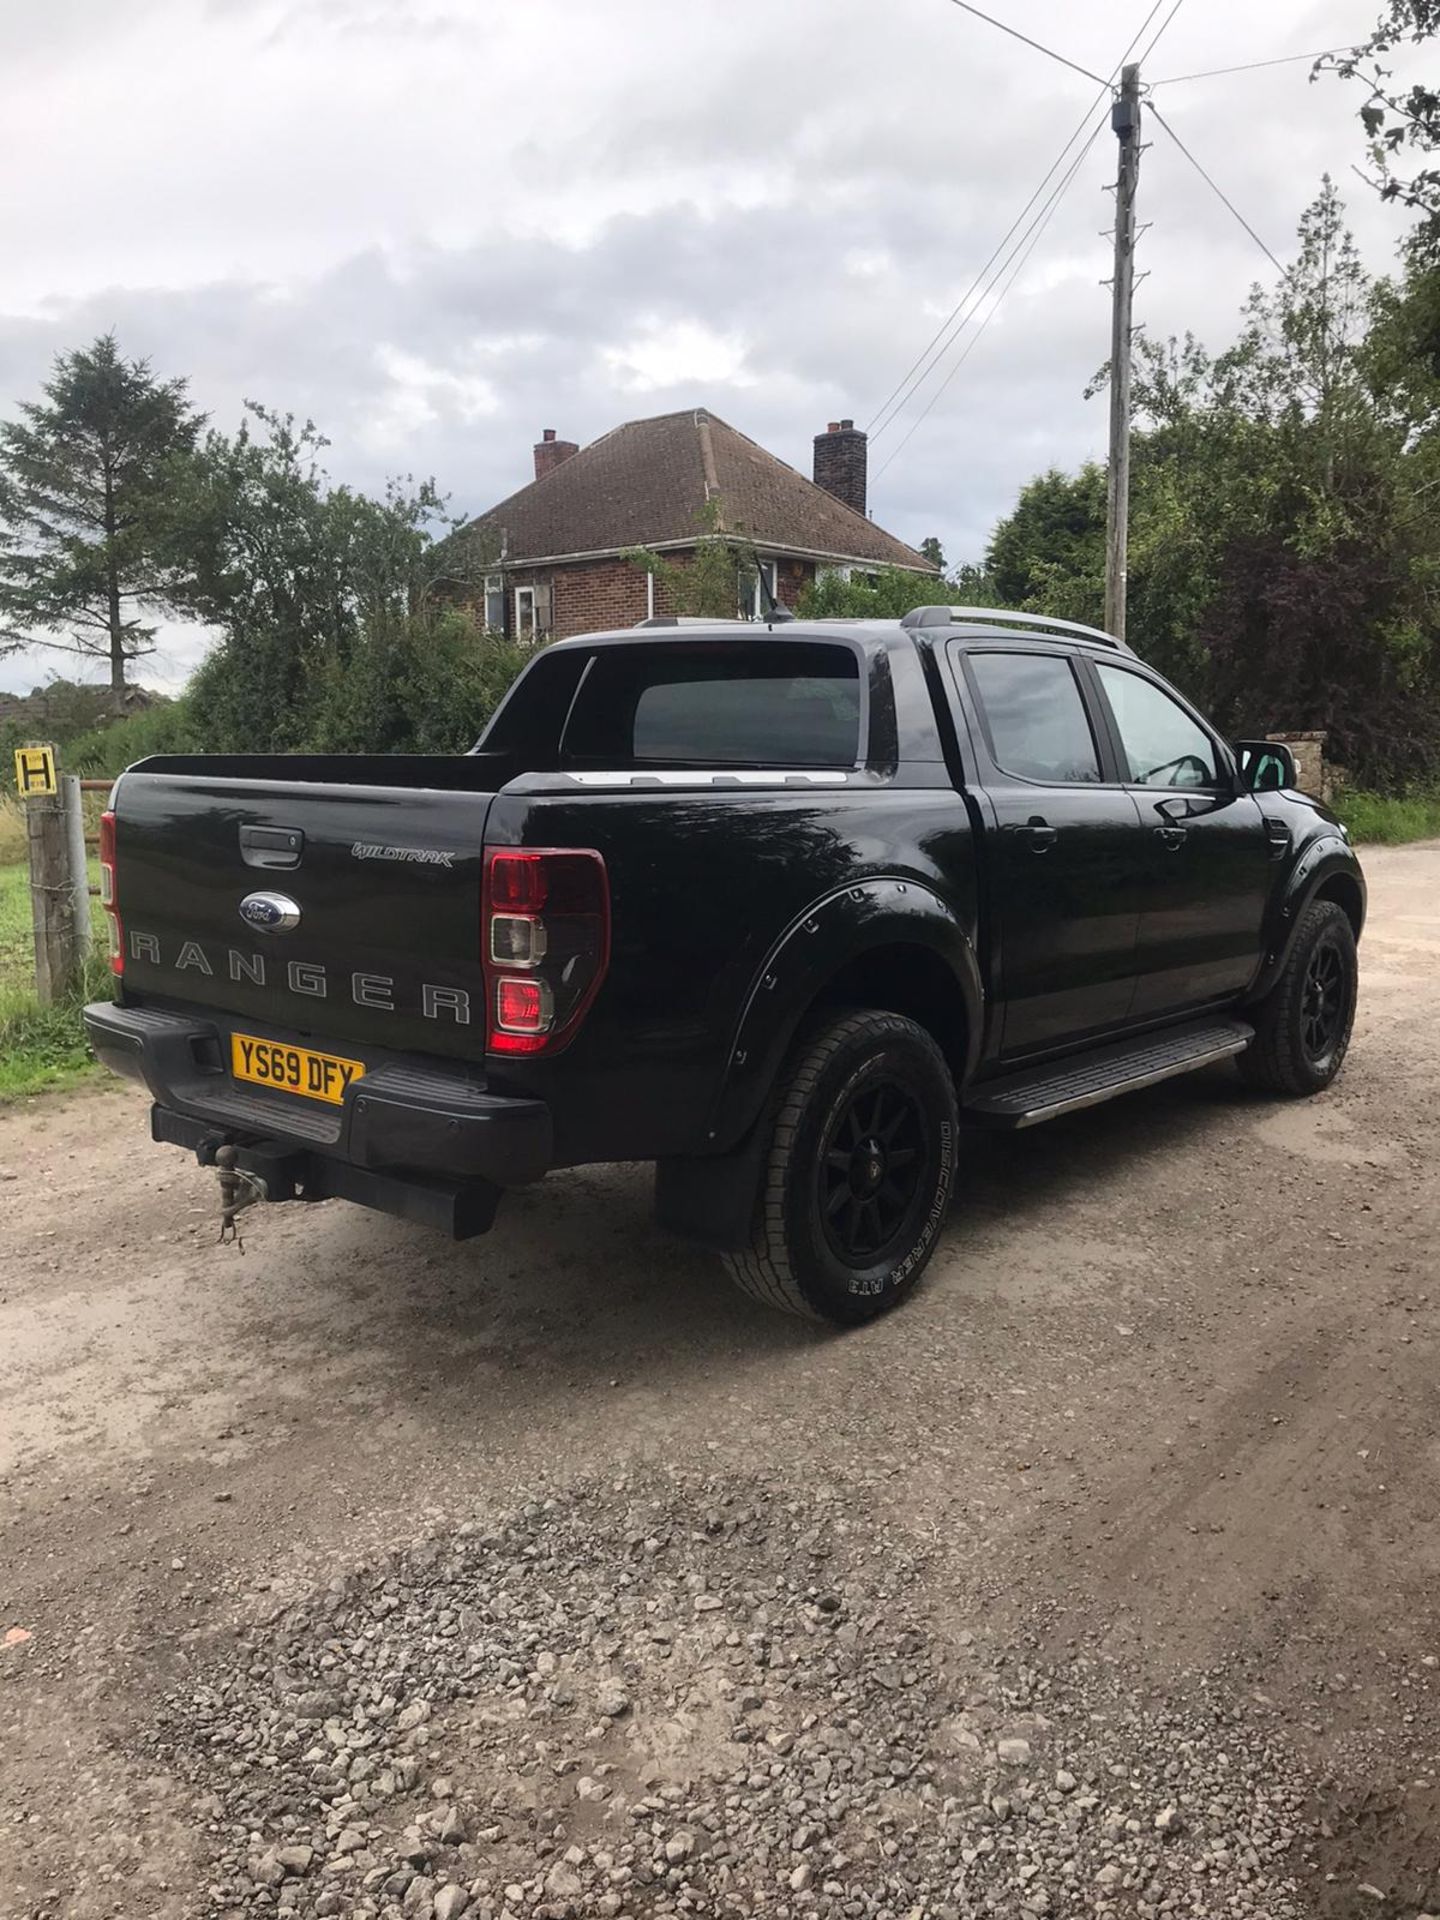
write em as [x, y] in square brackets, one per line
[270, 912]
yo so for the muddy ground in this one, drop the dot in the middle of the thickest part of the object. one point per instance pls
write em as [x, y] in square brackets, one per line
[1166, 1402]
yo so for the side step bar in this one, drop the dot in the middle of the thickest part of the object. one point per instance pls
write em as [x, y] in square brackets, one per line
[1084, 1080]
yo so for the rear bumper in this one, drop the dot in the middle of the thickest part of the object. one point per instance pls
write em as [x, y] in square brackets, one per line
[405, 1120]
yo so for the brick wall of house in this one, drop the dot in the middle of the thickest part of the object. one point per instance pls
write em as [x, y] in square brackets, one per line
[591, 595]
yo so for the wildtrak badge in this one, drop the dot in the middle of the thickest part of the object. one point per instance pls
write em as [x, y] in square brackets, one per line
[377, 992]
[415, 856]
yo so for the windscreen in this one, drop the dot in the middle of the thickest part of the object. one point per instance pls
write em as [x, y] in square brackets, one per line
[775, 703]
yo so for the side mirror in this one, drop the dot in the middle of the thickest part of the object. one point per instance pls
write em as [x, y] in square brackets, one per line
[1265, 766]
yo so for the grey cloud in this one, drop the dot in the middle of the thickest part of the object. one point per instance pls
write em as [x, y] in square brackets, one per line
[711, 172]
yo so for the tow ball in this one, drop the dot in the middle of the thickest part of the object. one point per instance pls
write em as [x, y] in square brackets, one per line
[238, 1190]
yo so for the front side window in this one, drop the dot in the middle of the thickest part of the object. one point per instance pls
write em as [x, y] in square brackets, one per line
[495, 602]
[1035, 717]
[1161, 746]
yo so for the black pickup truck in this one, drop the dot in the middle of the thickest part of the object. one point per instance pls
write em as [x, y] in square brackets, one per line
[781, 909]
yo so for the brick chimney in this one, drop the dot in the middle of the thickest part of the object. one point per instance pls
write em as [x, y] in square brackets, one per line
[840, 462]
[551, 453]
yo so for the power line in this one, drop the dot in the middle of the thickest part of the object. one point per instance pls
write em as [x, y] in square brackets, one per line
[1015, 34]
[1220, 194]
[925, 361]
[1024, 248]
[1250, 66]
[938, 345]
[1161, 31]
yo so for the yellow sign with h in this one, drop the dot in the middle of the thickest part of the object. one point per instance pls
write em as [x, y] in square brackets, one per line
[35, 771]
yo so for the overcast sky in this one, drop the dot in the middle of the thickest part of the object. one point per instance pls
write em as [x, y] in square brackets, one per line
[439, 226]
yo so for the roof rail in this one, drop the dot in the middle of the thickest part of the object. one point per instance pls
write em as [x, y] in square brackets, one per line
[1002, 616]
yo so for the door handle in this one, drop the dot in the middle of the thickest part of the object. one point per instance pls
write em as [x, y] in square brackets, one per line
[1038, 834]
[1173, 837]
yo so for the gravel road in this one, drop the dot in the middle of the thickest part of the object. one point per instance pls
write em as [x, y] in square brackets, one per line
[361, 1574]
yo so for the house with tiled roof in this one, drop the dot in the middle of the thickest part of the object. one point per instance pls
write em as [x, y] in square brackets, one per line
[553, 553]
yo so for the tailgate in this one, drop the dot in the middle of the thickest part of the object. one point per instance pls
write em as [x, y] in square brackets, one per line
[371, 933]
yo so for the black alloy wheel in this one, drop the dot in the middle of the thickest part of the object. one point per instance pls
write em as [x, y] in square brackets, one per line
[870, 1171]
[1302, 1026]
[1323, 1001]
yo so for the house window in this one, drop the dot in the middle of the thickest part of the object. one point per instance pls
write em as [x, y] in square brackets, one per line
[525, 616]
[755, 604]
[495, 602]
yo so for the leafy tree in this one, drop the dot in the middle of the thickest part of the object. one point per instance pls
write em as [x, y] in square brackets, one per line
[709, 583]
[931, 548]
[336, 627]
[88, 479]
[1399, 122]
[1057, 530]
[1285, 555]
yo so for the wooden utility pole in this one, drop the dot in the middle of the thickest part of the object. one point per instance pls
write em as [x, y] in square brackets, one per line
[1125, 119]
[59, 895]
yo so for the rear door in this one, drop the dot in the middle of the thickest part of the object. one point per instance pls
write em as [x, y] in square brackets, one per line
[1062, 886]
[1204, 851]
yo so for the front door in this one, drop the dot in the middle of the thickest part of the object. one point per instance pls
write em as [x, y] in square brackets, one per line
[1207, 857]
[1061, 872]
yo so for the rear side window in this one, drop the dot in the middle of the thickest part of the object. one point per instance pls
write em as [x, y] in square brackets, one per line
[771, 704]
[1035, 717]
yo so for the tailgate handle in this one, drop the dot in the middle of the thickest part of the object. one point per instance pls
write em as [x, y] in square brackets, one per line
[271, 846]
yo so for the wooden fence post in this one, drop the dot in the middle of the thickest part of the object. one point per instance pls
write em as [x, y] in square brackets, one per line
[59, 890]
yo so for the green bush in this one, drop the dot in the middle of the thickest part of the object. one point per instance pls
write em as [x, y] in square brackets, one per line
[105, 751]
[425, 682]
[884, 595]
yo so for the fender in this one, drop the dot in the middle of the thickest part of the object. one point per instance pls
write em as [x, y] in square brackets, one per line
[1329, 854]
[830, 935]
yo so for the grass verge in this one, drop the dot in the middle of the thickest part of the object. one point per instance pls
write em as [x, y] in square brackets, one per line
[40, 1047]
[1380, 818]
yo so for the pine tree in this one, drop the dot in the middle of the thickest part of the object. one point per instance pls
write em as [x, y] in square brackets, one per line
[90, 477]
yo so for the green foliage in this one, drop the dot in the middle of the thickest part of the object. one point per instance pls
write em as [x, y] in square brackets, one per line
[883, 595]
[1401, 123]
[332, 631]
[90, 478]
[1056, 534]
[103, 752]
[1390, 819]
[708, 583]
[77, 720]
[419, 683]
[40, 1047]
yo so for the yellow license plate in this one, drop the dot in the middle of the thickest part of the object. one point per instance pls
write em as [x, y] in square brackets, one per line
[270, 1063]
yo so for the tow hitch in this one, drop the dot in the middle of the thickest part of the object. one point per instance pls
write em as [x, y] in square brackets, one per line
[238, 1190]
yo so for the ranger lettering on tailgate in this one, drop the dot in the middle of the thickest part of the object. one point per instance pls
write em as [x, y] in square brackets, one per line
[373, 990]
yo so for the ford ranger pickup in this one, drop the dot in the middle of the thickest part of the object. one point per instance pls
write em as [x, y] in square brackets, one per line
[782, 909]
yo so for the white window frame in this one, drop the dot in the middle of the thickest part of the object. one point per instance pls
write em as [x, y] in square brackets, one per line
[525, 632]
[495, 591]
[752, 604]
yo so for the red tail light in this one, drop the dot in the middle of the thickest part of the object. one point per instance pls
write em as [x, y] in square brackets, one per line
[109, 900]
[545, 937]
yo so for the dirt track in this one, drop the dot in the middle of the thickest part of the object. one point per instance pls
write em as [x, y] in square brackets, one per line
[1169, 1396]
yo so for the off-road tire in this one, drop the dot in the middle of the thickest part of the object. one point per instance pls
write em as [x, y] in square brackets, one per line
[1278, 1059]
[792, 1262]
